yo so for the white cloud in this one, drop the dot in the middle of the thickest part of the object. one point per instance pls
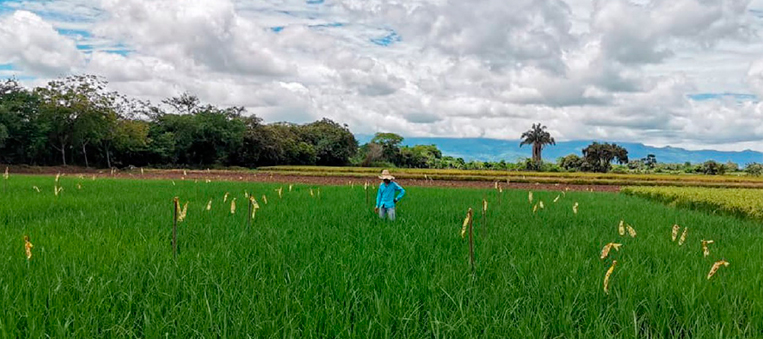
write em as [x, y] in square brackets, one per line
[616, 69]
[32, 44]
[755, 77]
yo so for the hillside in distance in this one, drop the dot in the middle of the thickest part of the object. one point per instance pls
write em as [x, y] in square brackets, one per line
[509, 150]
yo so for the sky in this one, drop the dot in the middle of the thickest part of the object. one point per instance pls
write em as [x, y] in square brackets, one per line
[685, 73]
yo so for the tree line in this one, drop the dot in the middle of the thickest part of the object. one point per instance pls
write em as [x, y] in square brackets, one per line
[76, 121]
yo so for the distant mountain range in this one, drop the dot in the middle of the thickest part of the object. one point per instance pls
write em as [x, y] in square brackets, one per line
[509, 150]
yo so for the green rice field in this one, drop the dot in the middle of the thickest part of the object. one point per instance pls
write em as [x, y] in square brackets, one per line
[324, 266]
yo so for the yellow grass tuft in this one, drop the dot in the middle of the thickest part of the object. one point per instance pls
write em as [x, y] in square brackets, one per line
[606, 276]
[255, 206]
[484, 205]
[557, 198]
[621, 228]
[607, 248]
[28, 247]
[233, 206]
[280, 192]
[290, 186]
[535, 208]
[530, 196]
[6, 175]
[311, 193]
[575, 208]
[225, 197]
[36, 189]
[715, 268]
[683, 237]
[540, 203]
[631, 231]
[466, 223]
[265, 199]
[705, 250]
[182, 213]
[209, 205]
[676, 228]
[79, 186]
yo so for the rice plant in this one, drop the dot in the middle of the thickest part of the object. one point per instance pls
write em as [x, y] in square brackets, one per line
[102, 264]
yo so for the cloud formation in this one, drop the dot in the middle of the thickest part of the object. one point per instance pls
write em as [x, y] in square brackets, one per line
[622, 70]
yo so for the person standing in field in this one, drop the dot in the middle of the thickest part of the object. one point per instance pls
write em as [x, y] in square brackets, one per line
[388, 196]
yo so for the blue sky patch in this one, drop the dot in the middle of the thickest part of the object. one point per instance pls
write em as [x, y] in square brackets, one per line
[314, 2]
[85, 47]
[387, 40]
[277, 29]
[333, 24]
[76, 33]
[6, 67]
[718, 96]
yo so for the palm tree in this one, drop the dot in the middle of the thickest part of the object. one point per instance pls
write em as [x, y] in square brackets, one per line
[539, 138]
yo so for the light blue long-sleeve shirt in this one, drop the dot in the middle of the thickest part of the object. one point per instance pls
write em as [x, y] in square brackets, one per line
[386, 194]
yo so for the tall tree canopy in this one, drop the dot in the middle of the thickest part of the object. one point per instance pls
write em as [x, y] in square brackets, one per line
[600, 156]
[538, 137]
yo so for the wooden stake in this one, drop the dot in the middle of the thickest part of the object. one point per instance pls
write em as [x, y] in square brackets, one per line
[471, 239]
[175, 227]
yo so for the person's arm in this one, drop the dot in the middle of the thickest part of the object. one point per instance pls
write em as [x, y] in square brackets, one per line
[378, 196]
[401, 194]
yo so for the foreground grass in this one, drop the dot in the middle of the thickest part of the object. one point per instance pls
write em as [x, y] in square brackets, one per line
[102, 265]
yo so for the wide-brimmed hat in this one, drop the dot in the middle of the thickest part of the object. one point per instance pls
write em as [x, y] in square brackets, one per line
[386, 176]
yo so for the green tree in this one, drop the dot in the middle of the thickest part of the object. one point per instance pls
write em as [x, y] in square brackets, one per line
[538, 137]
[712, 167]
[368, 155]
[203, 134]
[130, 142]
[390, 143]
[650, 161]
[334, 144]
[419, 156]
[732, 166]
[24, 137]
[598, 157]
[570, 162]
[754, 169]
